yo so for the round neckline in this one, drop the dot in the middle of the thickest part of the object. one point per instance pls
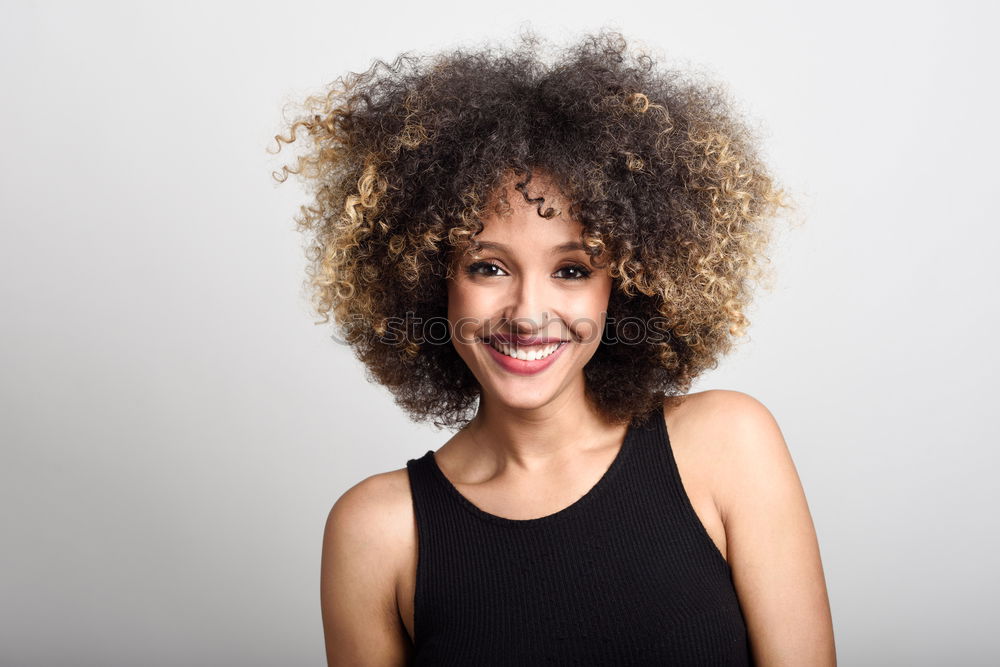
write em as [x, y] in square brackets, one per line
[567, 511]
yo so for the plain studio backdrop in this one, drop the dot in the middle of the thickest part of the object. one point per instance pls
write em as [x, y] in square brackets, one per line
[175, 427]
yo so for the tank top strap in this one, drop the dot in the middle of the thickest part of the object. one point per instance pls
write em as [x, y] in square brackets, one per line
[431, 501]
[657, 472]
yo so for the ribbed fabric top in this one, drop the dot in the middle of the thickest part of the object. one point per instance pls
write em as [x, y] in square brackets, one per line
[626, 575]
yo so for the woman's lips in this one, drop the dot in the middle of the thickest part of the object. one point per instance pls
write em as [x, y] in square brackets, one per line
[509, 339]
[521, 367]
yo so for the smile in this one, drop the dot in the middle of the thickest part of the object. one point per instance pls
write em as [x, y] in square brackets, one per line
[529, 353]
[524, 359]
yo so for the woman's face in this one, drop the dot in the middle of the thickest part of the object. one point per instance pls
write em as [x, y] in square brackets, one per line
[534, 294]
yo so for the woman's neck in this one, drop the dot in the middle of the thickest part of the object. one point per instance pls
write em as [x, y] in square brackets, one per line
[540, 438]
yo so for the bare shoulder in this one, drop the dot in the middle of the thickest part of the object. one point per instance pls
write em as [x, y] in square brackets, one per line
[772, 545]
[365, 543]
[734, 431]
[379, 497]
[376, 515]
[702, 427]
[724, 408]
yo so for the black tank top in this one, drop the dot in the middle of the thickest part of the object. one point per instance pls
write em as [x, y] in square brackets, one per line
[626, 575]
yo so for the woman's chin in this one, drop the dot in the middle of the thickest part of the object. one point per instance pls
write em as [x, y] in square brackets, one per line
[521, 392]
[520, 401]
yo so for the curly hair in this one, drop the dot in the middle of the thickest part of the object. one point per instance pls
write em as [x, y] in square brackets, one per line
[404, 159]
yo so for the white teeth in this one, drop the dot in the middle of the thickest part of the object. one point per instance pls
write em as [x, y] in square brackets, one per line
[525, 354]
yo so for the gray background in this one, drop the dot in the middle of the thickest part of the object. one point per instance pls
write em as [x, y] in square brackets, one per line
[175, 428]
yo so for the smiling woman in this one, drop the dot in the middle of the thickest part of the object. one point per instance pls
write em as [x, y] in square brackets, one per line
[590, 229]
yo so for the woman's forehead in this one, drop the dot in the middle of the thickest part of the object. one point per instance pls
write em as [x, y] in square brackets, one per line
[526, 232]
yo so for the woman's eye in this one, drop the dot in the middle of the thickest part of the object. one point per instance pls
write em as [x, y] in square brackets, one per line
[581, 272]
[483, 269]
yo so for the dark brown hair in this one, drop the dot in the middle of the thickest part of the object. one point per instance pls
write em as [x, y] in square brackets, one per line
[666, 180]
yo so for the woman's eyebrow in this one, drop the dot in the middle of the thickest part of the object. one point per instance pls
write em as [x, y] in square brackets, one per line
[563, 247]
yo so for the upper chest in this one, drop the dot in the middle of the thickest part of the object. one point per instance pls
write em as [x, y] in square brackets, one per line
[692, 466]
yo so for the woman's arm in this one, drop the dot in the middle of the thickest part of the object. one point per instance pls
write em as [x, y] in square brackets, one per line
[771, 541]
[358, 576]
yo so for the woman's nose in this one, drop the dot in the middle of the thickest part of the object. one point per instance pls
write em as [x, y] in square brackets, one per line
[529, 307]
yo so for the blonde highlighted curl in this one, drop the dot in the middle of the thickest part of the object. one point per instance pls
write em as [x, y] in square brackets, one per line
[402, 159]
